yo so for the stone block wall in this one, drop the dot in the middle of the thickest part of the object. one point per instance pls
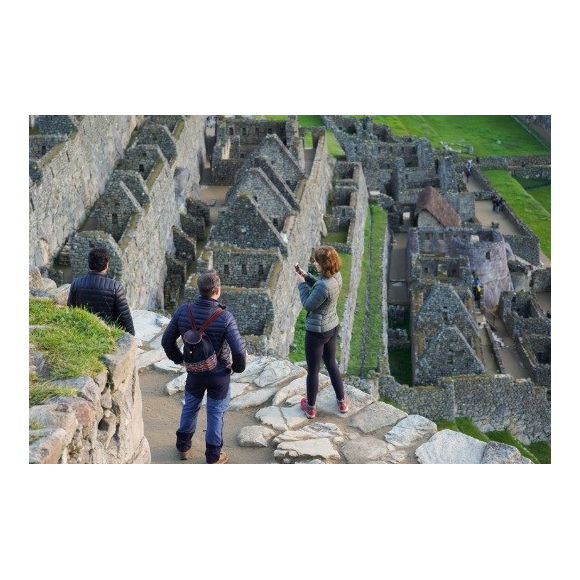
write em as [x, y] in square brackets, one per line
[70, 178]
[542, 280]
[522, 314]
[151, 233]
[357, 247]
[103, 424]
[303, 235]
[248, 269]
[433, 402]
[499, 402]
[536, 353]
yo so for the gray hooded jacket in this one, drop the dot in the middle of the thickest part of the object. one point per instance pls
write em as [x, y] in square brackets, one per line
[319, 297]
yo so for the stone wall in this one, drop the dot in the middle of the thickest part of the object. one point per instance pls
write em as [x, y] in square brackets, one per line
[492, 402]
[523, 315]
[70, 177]
[430, 401]
[303, 235]
[102, 424]
[141, 210]
[536, 353]
[542, 280]
[355, 242]
[499, 402]
[509, 162]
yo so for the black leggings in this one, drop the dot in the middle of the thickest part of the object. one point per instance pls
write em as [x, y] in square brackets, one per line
[322, 346]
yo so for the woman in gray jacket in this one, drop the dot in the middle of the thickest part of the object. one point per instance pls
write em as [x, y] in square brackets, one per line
[319, 297]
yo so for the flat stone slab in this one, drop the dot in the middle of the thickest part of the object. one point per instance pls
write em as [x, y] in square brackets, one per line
[411, 431]
[251, 399]
[298, 387]
[312, 431]
[377, 415]
[297, 451]
[148, 324]
[365, 450]
[176, 385]
[149, 357]
[255, 366]
[277, 372]
[168, 366]
[450, 447]
[255, 436]
[326, 401]
[282, 418]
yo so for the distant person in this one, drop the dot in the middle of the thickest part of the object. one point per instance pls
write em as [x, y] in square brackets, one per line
[230, 349]
[319, 297]
[477, 289]
[100, 294]
[467, 170]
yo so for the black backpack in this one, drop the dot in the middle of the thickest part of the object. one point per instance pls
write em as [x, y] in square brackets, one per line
[198, 352]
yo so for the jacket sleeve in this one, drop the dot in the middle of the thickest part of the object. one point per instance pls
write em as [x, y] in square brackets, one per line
[310, 279]
[122, 311]
[169, 341]
[237, 345]
[72, 295]
[312, 299]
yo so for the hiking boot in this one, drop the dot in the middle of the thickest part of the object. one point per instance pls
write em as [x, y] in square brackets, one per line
[183, 455]
[223, 458]
[309, 411]
[343, 405]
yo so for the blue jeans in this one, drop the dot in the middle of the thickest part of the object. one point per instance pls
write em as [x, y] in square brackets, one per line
[215, 423]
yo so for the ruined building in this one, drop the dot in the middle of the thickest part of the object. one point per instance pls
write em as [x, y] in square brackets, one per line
[272, 220]
[119, 182]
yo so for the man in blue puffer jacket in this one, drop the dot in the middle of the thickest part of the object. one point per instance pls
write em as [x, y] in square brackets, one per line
[230, 349]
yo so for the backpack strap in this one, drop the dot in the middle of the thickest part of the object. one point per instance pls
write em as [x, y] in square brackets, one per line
[217, 312]
[191, 317]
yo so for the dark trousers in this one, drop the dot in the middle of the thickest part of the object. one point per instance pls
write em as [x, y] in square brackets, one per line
[322, 346]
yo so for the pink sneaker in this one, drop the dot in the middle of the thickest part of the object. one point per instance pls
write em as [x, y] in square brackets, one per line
[309, 411]
[343, 405]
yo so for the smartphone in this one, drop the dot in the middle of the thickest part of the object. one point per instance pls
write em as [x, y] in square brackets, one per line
[297, 268]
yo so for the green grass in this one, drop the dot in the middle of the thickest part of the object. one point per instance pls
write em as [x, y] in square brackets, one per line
[374, 339]
[507, 438]
[40, 390]
[297, 352]
[334, 147]
[540, 190]
[530, 211]
[465, 425]
[72, 339]
[542, 450]
[303, 120]
[389, 401]
[482, 132]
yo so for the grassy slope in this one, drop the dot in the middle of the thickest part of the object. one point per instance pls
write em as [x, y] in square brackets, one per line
[480, 131]
[72, 340]
[530, 211]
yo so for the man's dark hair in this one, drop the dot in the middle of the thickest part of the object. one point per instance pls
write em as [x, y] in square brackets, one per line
[208, 283]
[98, 259]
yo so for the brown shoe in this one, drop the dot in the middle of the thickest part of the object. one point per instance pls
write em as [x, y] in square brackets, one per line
[183, 455]
[223, 458]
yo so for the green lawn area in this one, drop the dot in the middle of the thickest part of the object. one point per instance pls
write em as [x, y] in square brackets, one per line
[374, 340]
[487, 134]
[540, 190]
[303, 120]
[525, 205]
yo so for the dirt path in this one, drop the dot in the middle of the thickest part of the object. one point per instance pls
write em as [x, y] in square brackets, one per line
[161, 414]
